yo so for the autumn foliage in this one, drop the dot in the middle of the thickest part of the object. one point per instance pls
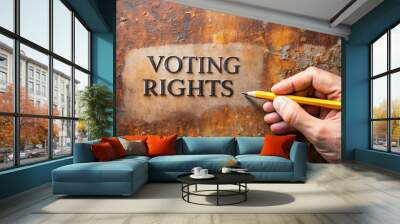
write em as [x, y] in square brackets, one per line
[380, 127]
[33, 131]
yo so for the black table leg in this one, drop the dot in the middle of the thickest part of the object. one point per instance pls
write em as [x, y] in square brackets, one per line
[220, 193]
[188, 190]
[217, 194]
[245, 193]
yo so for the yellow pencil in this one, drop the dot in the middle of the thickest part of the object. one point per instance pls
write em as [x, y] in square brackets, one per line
[332, 104]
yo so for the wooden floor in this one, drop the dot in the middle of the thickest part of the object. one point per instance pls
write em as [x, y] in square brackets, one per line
[379, 189]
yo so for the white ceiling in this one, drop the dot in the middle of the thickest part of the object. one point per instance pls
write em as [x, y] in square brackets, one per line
[319, 9]
[316, 15]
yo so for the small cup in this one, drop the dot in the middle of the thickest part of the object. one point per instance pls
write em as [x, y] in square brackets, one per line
[203, 172]
[196, 171]
[226, 170]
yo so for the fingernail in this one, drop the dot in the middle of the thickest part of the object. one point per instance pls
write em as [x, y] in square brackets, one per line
[272, 88]
[280, 100]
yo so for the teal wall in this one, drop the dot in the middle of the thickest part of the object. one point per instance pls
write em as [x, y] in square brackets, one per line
[24, 178]
[103, 51]
[103, 58]
[355, 128]
[99, 15]
[103, 62]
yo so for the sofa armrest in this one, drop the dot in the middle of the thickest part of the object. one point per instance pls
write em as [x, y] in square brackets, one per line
[298, 155]
[83, 152]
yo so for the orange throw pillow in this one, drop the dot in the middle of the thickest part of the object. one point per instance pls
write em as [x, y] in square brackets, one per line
[103, 152]
[116, 145]
[161, 145]
[277, 145]
[135, 137]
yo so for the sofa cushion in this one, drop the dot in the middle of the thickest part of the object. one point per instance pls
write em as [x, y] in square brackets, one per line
[277, 145]
[185, 163]
[134, 147]
[257, 163]
[103, 152]
[161, 145]
[112, 171]
[208, 145]
[249, 145]
[116, 145]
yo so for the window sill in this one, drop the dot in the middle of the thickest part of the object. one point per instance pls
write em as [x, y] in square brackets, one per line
[30, 166]
[382, 159]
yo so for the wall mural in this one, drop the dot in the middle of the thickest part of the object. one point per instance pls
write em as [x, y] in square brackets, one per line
[182, 69]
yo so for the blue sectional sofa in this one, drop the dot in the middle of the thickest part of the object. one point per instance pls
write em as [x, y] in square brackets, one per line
[125, 176]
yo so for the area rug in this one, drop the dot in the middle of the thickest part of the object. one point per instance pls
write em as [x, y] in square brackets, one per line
[166, 198]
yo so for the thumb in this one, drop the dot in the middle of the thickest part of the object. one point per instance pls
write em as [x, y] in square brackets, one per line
[294, 115]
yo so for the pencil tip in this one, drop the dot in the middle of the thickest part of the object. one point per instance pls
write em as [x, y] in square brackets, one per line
[244, 93]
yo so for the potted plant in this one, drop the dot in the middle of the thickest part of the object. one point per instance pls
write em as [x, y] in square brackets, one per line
[96, 104]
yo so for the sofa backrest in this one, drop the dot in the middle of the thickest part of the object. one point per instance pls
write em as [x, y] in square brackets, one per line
[83, 152]
[249, 145]
[207, 145]
[190, 146]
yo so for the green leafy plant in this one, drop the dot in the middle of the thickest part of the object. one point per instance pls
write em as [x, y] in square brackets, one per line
[96, 102]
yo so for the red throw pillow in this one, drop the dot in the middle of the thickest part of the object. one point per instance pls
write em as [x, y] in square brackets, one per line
[277, 145]
[103, 152]
[161, 145]
[116, 145]
[135, 137]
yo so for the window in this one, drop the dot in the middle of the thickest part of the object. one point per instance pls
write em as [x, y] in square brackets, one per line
[44, 91]
[3, 81]
[38, 89]
[38, 74]
[30, 87]
[55, 100]
[81, 81]
[62, 137]
[34, 21]
[385, 94]
[33, 147]
[6, 142]
[395, 47]
[30, 72]
[7, 14]
[3, 72]
[81, 45]
[7, 86]
[62, 31]
[3, 78]
[62, 75]
[41, 123]
[3, 61]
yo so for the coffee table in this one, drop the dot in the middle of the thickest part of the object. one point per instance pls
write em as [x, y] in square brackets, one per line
[238, 179]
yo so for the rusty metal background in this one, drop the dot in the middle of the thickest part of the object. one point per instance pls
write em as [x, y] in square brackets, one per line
[150, 25]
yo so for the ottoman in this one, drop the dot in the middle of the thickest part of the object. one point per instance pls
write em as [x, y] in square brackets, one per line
[119, 177]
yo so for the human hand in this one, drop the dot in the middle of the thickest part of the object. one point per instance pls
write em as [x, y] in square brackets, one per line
[321, 126]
